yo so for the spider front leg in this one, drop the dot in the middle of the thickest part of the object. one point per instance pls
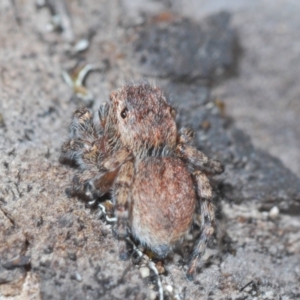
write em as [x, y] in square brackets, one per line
[198, 159]
[82, 134]
[204, 193]
[103, 113]
[82, 124]
[103, 175]
[122, 200]
[186, 135]
[90, 185]
[85, 138]
[77, 188]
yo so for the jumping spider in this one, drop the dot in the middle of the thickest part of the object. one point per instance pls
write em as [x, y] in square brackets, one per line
[154, 175]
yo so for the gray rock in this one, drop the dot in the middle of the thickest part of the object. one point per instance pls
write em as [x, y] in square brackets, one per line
[183, 50]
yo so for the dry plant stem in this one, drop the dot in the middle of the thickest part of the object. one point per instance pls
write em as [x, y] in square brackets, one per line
[152, 266]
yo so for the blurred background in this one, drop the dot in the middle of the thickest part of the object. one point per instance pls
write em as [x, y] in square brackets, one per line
[264, 97]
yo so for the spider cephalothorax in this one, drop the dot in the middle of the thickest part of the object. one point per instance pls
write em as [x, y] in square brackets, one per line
[154, 176]
[139, 116]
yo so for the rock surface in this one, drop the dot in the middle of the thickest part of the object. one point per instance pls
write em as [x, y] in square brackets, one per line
[53, 247]
[264, 98]
[182, 50]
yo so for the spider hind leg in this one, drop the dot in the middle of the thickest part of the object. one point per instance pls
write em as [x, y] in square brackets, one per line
[204, 192]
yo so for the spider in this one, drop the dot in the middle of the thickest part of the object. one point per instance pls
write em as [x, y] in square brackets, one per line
[154, 175]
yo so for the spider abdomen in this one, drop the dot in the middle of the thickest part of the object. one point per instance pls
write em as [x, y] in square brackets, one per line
[163, 202]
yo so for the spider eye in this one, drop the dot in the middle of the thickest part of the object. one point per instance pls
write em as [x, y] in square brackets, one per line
[124, 113]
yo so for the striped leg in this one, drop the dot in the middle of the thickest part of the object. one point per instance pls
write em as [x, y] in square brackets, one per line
[186, 135]
[107, 171]
[198, 159]
[204, 192]
[82, 124]
[103, 113]
[82, 135]
[77, 188]
[85, 140]
[122, 200]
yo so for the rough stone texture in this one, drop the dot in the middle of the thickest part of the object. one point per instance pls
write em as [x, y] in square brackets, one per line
[186, 51]
[53, 247]
[264, 98]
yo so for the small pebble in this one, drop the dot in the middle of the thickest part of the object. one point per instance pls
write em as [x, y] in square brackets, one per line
[81, 45]
[189, 237]
[152, 295]
[297, 271]
[274, 212]
[269, 295]
[176, 258]
[209, 105]
[78, 276]
[145, 272]
[168, 288]
[248, 289]
[40, 3]
[273, 250]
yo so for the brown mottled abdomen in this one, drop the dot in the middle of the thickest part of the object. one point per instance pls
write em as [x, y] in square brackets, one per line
[164, 202]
